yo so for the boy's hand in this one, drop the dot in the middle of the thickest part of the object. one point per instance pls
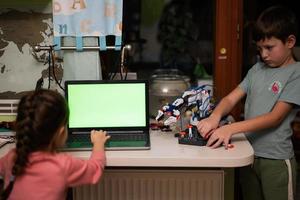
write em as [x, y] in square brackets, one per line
[206, 126]
[98, 138]
[220, 136]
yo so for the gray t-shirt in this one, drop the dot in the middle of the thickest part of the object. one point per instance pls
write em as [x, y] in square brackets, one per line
[265, 86]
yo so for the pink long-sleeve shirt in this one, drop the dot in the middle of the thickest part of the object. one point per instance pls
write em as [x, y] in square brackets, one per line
[48, 176]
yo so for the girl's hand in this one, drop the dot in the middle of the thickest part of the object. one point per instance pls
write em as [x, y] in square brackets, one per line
[98, 138]
[220, 136]
[206, 126]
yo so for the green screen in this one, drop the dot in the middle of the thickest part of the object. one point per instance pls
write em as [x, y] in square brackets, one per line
[107, 105]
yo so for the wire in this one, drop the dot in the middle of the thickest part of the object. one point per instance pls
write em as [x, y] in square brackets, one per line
[49, 70]
[51, 64]
[53, 68]
[116, 66]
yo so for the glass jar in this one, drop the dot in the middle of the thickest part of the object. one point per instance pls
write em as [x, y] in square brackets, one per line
[166, 85]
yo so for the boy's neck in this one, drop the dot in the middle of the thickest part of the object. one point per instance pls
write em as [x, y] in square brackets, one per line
[288, 62]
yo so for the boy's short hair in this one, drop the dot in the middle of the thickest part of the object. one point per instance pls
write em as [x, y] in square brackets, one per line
[276, 21]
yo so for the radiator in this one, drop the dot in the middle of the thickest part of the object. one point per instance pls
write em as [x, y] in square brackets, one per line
[155, 185]
[8, 106]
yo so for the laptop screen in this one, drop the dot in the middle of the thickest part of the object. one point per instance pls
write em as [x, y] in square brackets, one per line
[107, 105]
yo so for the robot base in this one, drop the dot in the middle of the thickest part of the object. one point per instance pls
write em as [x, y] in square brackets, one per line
[194, 138]
[192, 141]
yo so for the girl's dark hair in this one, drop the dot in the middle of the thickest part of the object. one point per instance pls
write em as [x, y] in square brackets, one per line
[276, 21]
[40, 114]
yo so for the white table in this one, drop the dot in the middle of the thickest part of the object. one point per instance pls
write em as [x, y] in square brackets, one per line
[166, 152]
[181, 171]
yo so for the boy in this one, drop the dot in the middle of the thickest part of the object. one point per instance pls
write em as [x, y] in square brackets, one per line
[272, 89]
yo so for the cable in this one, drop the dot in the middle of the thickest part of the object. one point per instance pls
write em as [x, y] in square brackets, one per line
[49, 70]
[53, 67]
[112, 75]
[125, 48]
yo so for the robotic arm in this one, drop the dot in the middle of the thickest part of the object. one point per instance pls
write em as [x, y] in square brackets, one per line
[197, 100]
[172, 111]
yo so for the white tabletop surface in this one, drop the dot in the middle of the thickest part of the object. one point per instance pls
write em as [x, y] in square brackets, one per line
[166, 152]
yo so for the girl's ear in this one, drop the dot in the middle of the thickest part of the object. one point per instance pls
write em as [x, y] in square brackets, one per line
[291, 41]
[61, 130]
[58, 139]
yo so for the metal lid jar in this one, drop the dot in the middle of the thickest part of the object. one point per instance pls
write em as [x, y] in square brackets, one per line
[165, 86]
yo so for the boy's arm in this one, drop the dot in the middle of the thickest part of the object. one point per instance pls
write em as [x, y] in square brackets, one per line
[268, 120]
[223, 108]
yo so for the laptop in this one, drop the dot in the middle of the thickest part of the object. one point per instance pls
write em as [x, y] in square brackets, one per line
[119, 107]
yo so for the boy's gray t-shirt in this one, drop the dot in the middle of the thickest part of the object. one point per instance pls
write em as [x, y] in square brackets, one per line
[265, 86]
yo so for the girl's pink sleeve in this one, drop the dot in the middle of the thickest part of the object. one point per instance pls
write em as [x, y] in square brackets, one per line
[6, 163]
[80, 172]
[2, 165]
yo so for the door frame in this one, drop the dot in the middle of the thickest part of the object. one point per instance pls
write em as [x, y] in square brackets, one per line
[228, 48]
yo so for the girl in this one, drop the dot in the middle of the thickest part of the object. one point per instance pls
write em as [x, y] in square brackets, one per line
[34, 169]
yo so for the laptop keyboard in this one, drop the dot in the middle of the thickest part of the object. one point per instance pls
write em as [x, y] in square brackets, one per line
[122, 137]
[116, 140]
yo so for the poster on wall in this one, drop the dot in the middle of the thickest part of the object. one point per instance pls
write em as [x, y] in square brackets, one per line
[22, 26]
[84, 18]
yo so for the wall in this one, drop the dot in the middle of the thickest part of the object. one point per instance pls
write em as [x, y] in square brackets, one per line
[24, 24]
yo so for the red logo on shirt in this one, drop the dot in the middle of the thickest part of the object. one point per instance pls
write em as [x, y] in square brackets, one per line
[275, 87]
